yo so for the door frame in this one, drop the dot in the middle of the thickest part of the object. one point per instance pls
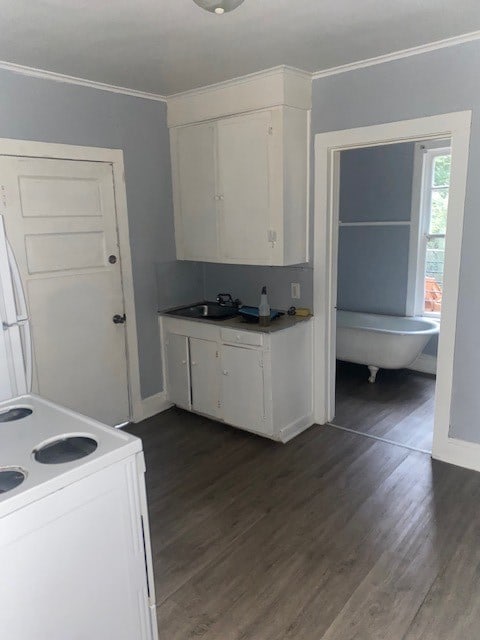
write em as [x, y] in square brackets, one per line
[114, 157]
[455, 126]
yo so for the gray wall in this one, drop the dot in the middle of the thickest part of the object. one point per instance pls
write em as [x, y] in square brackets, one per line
[432, 83]
[375, 186]
[376, 183]
[373, 269]
[245, 282]
[179, 282]
[43, 110]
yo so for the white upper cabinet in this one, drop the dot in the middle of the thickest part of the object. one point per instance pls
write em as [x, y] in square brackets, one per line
[195, 184]
[244, 153]
[240, 181]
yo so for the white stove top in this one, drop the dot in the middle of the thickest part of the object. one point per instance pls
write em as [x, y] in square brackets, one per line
[21, 438]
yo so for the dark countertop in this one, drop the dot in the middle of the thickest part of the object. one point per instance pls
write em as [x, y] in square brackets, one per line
[283, 322]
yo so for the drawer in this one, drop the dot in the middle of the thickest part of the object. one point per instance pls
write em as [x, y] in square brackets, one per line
[252, 338]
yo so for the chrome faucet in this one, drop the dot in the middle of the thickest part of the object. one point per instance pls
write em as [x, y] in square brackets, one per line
[226, 300]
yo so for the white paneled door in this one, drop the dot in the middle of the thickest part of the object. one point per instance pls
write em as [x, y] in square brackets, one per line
[61, 222]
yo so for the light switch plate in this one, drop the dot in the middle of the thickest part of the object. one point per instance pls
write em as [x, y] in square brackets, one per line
[295, 286]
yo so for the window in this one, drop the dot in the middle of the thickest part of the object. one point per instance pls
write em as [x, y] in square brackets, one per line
[432, 226]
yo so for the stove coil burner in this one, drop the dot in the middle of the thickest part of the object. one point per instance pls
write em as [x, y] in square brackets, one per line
[10, 477]
[16, 413]
[66, 449]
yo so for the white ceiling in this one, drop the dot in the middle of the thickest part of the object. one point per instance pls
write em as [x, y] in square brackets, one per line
[165, 46]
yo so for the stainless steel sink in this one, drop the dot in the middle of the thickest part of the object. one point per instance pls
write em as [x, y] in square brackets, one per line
[210, 310]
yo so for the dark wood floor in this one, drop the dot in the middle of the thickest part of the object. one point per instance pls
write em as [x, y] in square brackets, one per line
[399, 406]
[333, 536]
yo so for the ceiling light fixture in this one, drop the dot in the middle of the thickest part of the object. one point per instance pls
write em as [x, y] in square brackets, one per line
[218, 6]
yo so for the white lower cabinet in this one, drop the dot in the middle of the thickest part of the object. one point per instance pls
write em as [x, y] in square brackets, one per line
[178, 369]
[243, 389]
[261, 382]
[204, 369]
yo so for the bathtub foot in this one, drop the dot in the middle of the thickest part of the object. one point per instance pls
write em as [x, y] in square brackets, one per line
[373, 373]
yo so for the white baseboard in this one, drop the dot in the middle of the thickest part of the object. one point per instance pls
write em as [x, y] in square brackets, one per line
[294, 428]
[425, 364]
[150, 406]
[458, 452]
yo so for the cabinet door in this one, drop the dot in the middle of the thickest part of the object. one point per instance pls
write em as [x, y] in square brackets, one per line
[243, 401]
[193, 153]
[177, 370]
[243, 183]
[204, 372]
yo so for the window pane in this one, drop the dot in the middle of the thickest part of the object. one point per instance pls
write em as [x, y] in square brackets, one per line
[434, 274]
[441, 171]
[438, 212]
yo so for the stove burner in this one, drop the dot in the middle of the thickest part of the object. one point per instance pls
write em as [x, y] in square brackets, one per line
[66, 449]
[10, 477]
[16, 413]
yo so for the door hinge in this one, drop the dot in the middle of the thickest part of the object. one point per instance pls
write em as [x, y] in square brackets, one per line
[4, 197]
[217, 355]
[270, 130]
[219, 404]
[272, 237]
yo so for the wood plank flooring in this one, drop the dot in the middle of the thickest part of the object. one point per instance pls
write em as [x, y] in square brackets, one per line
[398, 407]
[333, 536]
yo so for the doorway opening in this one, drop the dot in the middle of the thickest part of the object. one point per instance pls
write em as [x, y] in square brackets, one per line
[392, 219]
[360, 243]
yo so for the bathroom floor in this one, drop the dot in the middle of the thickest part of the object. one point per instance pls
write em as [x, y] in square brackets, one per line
[398, 407]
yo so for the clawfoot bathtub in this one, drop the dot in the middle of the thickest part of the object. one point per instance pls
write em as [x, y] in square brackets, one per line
[381, 342]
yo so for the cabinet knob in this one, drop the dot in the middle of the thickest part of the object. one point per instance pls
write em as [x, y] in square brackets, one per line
[225, 372]
[193, 363]
[184, 362]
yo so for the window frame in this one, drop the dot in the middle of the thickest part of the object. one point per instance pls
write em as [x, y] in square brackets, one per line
[424, 155]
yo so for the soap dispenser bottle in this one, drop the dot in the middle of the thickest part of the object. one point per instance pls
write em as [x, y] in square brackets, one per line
[264, 309]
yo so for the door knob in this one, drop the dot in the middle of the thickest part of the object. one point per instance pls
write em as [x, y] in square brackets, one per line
[118, 319]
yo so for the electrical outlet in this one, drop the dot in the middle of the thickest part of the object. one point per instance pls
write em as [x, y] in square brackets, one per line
[295, 290]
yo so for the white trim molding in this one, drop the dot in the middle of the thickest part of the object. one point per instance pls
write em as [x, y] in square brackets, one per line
[397, 55]
[458, 452]
[82, 82]
[455, 126]
[148, 407]
[114, 157]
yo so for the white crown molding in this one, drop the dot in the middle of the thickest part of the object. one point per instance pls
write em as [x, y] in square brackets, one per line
[397, 55]
[82, 82]
[352, 66]
[234, 82]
